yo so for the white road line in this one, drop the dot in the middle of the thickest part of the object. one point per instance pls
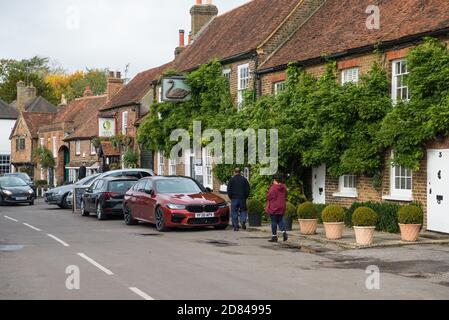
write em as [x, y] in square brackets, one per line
[96, 264]
[141, 293]
[30, 226]
[9, 218]
[59, 240]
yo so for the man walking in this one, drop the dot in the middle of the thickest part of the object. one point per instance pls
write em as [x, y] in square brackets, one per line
[276, 205]
[82, 172]
[238, 192]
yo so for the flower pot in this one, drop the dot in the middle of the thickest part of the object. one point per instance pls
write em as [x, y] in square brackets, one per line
[410, 232]
[255, 220]
[364, 235]
[334, 230]
[308, 226]
[288, 223]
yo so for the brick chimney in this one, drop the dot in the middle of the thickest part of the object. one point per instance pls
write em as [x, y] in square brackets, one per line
[88, 92]
[181, 45]
[202, 14]
[115, 84]
[24, 95]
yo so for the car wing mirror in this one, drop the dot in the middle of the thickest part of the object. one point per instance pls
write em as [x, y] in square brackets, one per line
[150, 192]
[209, 189]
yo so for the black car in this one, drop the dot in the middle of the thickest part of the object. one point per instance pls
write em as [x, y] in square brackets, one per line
[15, 190]
[105, 196]
[24, 176]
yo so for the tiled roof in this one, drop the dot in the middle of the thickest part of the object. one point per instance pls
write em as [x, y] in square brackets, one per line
[137, 88]
[340, 25]
[7, 111]
[38, 104]
[34, 120]
[79, 110]
[236, 32]
[87, 130]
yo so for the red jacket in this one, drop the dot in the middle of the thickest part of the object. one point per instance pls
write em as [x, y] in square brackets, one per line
[276, 199]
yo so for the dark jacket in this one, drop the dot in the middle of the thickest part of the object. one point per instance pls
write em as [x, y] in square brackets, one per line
[82, 172]
[276, 199]
[238, 187]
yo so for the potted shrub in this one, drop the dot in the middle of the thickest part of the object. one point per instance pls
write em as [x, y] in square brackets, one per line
[410, 222]
[290, 214]
[364, 220]
[308, 218]
[255, 210]
[333, 219]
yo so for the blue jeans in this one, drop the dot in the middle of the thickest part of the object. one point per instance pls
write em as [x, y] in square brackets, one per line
[275, 221]
[236, 206]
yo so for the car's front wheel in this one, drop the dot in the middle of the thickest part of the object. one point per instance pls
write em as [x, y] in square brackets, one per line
[1, 200]
[64, 204]
[160, 220]
[129, 219]
[84, 213]
[100, 214]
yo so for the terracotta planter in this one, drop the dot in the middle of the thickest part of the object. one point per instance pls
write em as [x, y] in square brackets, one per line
[410, 232]
[308, 226]
[334, 230]
[364, 235]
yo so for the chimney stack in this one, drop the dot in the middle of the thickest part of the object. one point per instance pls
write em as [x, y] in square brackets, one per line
[181, 45]
[202, 14]
[24, 95]
[115, 84]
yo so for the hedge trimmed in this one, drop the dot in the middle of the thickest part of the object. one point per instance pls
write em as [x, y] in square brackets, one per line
[388, 215]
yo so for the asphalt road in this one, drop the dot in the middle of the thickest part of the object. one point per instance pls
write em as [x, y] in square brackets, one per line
[115, 261]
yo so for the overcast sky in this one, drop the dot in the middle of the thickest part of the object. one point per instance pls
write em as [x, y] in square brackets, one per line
[81, 34]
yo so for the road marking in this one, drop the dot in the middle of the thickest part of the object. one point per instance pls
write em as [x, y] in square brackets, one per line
[140, 293]
[96, 264]
[59, 240]
[9, 218]
[30, 226]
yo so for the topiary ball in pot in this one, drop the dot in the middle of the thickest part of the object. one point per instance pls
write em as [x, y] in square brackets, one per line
[333, 219]
[255, 210]
[410, 221]
[364, 220]
[290, 214]
[307, 214]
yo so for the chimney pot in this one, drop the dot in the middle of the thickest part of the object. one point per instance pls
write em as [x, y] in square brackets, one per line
[111, 74]
[181, 38]
[118, 75]
[199, 2]
[202, 15]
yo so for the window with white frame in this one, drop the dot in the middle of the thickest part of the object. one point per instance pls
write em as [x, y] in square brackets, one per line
[278, 87]
[93, 151]
[208, 161]
[78, 147]
[350, 75]
[161, 164]
[55, 151]
[348, 184]
[5, 163]
[172, 167]
[227, 75]
[401, 182]
[400, 91]
[124, 122]
[20, 144]
[242, 83]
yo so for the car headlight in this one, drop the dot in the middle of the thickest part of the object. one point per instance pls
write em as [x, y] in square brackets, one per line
[30, 191]
[7, 192]
[223, 205]
[176, 206]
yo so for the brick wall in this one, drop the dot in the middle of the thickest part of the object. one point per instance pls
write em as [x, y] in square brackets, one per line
[23, 156]
[85, 154]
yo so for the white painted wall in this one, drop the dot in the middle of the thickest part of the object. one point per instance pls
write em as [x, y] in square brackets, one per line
[5, 130]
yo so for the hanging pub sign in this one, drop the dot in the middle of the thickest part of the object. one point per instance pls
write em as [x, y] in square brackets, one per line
[175, 89]
[106, 127]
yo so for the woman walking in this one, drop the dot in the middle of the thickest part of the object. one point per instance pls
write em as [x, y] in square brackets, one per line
[276, 205]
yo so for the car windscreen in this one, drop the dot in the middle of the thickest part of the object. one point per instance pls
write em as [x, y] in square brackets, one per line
[22, 176]
[6, 182]
[121, 186]
[177, 186]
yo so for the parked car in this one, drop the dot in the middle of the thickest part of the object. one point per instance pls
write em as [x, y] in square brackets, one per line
[105, 196]
[15, 190]
[59, 196]
[171, 202]
[24, 176]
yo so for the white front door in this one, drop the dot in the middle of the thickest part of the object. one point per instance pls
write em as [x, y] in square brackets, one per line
[438, 190]
[319, 184]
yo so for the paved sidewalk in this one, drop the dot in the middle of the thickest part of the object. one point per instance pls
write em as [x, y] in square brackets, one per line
[381, 239]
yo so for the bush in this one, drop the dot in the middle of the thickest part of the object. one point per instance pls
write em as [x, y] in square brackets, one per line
[290, 211]
[333, 213]
[410, 215]
[307, 210]
[387, 212]
[41, 183]
[365, 217]
[320, 208]
[255, 207]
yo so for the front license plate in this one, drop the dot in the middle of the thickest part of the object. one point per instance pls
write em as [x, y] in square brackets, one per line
[21, 198]
[205, 215]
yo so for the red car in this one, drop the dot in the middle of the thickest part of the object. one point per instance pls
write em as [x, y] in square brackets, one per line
[169, 202]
